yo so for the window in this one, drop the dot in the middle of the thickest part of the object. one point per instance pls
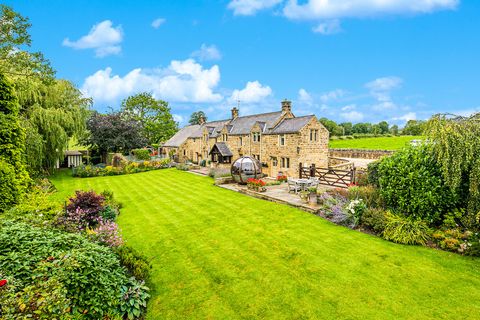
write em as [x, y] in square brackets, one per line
[225, 137]
[285, 163]
[274, 161]
[256, 156]
[281, 139]
[184, 152]
[256, 136]
[240, 141]
[313, 134]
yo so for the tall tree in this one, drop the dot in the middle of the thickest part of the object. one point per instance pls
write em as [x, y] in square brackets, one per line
[383, 125]
[196, 117]
[456, 142]
[15, 59]
[13, 176]
[52, 113]
[394, 130]
[114, 132]
[414, 128]
[347, 128]
[154, 115]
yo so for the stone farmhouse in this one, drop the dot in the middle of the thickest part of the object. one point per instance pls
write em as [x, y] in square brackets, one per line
[279, 140]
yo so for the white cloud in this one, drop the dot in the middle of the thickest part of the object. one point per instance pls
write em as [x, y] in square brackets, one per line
[406, 117]
[352, 116]
[207, 52]
[253, 92]
[335, 9]
[328, 27]
[178, 118]
[381, 88]
[102, 37]
[304, 97]
[332, 95]
[349, 107]
[158, 22]
[384, 84]
[250, 7]
[181, 81]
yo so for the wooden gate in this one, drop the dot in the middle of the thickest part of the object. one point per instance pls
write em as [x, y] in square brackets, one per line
[329, 177]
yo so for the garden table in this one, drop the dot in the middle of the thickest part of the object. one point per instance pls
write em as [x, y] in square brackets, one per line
[303, 183]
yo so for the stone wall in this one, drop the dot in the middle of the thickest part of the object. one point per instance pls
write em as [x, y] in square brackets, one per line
[359, 153]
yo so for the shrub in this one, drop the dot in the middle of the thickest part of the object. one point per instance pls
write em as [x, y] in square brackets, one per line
[375, 219]
[136, 263]
[91, 274]
[108, 213]
[141, 154]
[125, 168]
[10, 189]
[405, 230]
[43, 299]
[36, 207]
[203, 163]
[107, 233]
[90, 203]
[355, 210]
[369, 194]
[411, 182]
[134, 299]
[333, 208]
[372, 173]
[182, 167]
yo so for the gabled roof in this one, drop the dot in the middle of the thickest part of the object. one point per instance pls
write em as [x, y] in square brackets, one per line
[291, 125]
[222, 148]
[181, 136]
[242, 125]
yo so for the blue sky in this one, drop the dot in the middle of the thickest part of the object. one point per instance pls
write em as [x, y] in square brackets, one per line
[362, 60]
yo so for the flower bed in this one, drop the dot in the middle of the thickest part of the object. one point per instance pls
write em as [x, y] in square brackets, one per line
[125, 168]
[256, 184]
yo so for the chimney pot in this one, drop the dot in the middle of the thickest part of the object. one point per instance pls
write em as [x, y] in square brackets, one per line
[286, 106]
[234, 112]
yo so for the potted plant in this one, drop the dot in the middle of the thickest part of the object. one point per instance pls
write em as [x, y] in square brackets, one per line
[304, 195]
[312, 195]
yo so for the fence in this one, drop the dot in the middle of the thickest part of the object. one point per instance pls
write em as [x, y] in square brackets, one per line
[330, 176]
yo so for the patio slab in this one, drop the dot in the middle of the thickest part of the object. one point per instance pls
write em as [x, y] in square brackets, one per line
[278, 194]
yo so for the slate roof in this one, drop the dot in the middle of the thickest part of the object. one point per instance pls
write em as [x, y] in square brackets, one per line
[243, 125]
[73, 153]
[291, 125]
[223, 149]
[181, 136]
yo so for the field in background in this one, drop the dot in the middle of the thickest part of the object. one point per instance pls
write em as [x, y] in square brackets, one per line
[218, 254]
[378, 143]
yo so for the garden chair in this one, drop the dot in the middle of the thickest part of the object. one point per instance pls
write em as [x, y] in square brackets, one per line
[293, 185]
[314, 182]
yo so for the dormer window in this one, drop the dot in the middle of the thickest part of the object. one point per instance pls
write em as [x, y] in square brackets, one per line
[256, 136]
[225, 137]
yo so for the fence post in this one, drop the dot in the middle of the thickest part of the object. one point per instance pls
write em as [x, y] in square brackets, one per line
[312, 170]
[354, 176]
[300, 170]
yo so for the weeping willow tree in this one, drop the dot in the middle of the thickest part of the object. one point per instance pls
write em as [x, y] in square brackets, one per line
[456, 143]
[52, 113]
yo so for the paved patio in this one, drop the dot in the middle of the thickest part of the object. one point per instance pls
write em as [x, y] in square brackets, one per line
[277, 193]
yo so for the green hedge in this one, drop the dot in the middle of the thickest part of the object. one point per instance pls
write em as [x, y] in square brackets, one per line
[131, 167]
[411, 182]
[141, 154]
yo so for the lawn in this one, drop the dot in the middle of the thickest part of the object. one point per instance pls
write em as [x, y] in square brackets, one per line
[218, 254]
[379, 143]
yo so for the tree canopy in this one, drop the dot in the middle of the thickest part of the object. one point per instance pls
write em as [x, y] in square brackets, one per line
[15, 59]
[154, 116]
[52, 113]
[196, 117]
[13, 176]
[114, 132]
[456, 142]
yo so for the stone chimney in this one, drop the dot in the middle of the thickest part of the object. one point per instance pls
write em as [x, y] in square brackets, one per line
[234, 113]
[286, 106]
[201, 120]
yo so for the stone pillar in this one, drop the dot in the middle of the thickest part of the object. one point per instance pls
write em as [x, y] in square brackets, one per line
[286, 106]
